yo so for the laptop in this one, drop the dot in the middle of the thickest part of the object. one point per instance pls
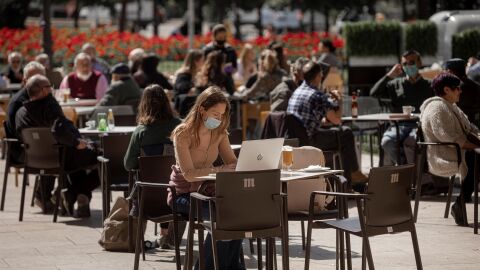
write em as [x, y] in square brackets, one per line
[260, 155]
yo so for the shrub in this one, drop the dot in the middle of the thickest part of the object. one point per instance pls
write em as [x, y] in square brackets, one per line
[372, 39]
[421, 36]
[466, 43]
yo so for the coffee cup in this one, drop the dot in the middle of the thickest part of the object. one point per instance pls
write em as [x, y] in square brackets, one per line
[408, 110]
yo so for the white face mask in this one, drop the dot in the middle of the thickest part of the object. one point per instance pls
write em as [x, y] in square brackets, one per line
[84, 77]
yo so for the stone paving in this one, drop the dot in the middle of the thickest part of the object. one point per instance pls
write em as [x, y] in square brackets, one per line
[38, 243]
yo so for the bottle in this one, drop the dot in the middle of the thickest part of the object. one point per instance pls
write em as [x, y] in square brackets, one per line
[110, 120]
[354, 105]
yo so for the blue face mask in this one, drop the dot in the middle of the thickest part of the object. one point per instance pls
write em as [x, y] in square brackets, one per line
[212, 123]
[410, 70]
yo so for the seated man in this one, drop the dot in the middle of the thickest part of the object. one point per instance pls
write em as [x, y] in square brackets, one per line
[43, 110]
[405, 87]
[315, 109]
[280, 96]
[54, 75]
[13, 72]
[122, 89]
[84, 82]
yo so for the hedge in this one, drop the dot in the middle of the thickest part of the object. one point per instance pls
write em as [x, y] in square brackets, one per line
[372, 39]
[422, 37]
[466, 43]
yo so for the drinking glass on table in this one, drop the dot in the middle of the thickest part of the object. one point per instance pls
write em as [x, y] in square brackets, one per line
[66, 94]
[287, 157]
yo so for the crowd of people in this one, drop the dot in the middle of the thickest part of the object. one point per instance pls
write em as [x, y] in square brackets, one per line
[210, 76]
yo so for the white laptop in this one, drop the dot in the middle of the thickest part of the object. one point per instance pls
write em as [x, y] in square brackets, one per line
[260, 155]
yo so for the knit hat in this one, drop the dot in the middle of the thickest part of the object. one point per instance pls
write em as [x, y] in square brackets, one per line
[457, 65]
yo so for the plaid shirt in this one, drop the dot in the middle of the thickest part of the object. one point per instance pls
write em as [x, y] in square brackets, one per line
[310, 105]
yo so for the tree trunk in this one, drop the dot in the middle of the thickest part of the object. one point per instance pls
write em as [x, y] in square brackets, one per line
[327, 19]
[312, 20]
[199, 21]
[155, 18]
[123, 17]
[221, 11]
[238, 35]
[404, 9]
[47, 31]
[76, 14]
[259, 20]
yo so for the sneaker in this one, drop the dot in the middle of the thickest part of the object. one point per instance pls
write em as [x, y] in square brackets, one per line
[457, 214]
[358, 177]
[83, 206]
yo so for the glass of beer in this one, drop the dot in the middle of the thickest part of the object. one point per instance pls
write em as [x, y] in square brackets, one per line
[287, 157]
[66, 94]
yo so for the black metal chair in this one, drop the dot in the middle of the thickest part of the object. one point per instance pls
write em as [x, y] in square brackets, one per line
[113, 176]
[261, 214]
[44, 157]
[8, 144]
[151, 187]
[384, 209]
[421, 158]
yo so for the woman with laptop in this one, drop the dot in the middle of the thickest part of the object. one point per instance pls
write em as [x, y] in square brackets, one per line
[198, 141]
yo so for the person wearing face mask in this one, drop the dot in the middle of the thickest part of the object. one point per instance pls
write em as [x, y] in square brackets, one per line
[198, 142]
[84, 82]
[404, 86]
[316, 109]
[219, 43]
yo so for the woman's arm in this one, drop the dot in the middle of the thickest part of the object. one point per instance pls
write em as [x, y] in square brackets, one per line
[130, 161]
[226, 153]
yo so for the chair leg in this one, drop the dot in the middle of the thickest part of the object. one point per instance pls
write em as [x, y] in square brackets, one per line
[143, 244]
[302, 224]
[176, 242]
[4, 189]
[155, 228]
[418, 192]
[35, 186]
[201, 249]
[61, 179]
[22, 200]
[368, 252]
[259, 254]
[308, 244]
[475, 198]
[416, 249]
[187, 265]
[364, 257]
[370, 138]
[342, 251]
[139, 244]
[349, 251]
[214, 251]
[242, 256]
[274, 254]
[449, 196]
[16, 177]
[252, 249]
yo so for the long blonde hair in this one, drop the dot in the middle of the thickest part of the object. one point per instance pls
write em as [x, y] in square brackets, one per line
[244, 54]
[212, 96]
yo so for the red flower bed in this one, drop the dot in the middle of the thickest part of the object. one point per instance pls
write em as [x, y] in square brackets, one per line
[114, 46]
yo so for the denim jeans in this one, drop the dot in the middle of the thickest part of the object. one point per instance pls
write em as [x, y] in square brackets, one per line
[407, 132]
[228, 252]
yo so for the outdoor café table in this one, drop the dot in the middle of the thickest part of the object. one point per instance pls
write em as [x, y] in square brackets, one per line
[476, 175]
[11, 89]
[117, 130]
[385, 117]
[285, 177]
[78, 102]
[83, 112]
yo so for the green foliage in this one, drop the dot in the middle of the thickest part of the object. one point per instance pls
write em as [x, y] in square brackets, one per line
[372, 39]
[421, 36]
[466, 43]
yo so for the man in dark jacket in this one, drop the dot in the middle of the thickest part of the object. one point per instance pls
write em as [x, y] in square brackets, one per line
[43, 110]
[122, 89]
[148, 73]
[219, 43]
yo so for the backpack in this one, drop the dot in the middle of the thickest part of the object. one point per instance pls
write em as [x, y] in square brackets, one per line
[115, 227]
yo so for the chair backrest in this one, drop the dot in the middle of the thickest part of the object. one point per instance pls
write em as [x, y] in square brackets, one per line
[248, 200]
[124, 114]
[70, 114]
[235, 136]
[114, 149]
[163, 149]
[133, 103]
[295, 129]
[155, 169]
[41, 150]
[183, 104]
[388, 201]
[274, 126]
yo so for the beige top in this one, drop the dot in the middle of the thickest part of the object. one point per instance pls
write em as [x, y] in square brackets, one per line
[198, 160]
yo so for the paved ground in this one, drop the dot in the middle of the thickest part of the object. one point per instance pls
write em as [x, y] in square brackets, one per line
[37, 243]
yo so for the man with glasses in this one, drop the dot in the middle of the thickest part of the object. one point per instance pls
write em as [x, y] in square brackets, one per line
[404, 86]
[43, 110]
